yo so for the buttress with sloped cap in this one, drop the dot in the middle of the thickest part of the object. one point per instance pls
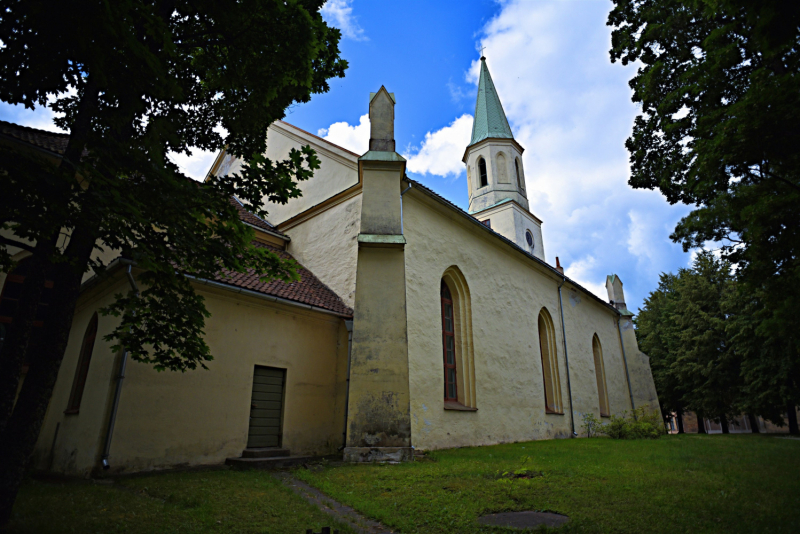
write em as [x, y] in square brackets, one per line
[490, 120]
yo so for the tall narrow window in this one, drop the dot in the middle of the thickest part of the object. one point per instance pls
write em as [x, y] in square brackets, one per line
[449, 345]
[547, 348]
[79, 383]
[600, 372]
[484, 180]
[519, 176]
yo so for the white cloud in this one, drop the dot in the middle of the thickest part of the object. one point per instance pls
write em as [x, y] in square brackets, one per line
[570, 108]
[339, 13]
[442, 150]
[195, 165]
[353, 138]
[584, 271]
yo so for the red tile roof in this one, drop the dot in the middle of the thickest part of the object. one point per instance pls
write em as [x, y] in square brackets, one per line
[254, 220]
[53, 142]
[309, 290]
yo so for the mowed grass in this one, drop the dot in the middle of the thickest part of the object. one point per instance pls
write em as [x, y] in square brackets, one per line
[737, 483]
[196, 502]
[691, 483]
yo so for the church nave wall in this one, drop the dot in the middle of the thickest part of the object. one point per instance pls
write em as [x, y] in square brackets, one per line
[507, 292]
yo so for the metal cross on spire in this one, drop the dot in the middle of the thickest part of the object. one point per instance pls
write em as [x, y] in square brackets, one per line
[482, 49]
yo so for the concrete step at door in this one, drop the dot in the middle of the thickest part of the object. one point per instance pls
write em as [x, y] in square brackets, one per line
[265, 452]
[279, 462]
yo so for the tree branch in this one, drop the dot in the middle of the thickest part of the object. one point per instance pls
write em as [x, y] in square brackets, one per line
[15, 243]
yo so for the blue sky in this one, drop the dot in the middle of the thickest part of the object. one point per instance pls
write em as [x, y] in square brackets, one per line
[567, 104]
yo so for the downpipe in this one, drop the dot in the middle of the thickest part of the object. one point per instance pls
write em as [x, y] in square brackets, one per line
[120, 377]
[349, 326]
[566, 358]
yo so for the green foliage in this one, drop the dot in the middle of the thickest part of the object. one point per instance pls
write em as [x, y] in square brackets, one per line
[642, 423]
[591, 425]
[703, 332]
[719, 89]
[137, 80]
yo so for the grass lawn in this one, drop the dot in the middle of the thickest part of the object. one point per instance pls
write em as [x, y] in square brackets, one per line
[692, 483]
[194, 502]
[737, 483]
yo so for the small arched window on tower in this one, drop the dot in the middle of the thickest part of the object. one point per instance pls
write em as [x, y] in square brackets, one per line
[600, 372]
[529, 239]
[519, 175]
[85, 358]
[502, 171]
[484, 180]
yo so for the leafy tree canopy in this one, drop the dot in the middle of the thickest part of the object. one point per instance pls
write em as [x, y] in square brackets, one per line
[719, 87]
[136, 80]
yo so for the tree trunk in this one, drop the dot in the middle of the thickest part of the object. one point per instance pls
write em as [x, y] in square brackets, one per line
[679, 417]
[723, 422]
[701, 423]
[22, 431]
[19, 332]
[753, 423]
[792, 417]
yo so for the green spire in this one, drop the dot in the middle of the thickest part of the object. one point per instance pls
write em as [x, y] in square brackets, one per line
[490, 120]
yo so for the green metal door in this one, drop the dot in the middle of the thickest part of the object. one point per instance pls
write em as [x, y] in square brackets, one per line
[266, 407]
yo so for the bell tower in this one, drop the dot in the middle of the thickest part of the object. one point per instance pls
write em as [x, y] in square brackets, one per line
[495, 175]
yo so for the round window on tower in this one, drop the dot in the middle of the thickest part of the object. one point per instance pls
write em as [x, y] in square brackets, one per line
[529, 238]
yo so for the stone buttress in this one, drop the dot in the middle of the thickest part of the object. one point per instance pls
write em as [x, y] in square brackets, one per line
[379, 421]
[642, 387]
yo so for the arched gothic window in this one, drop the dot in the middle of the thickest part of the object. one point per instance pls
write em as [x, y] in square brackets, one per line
[449, 345]
[457, 349]
[547, 348]
[484, 180]
[600, 372]
[519, 176]
[79, 383]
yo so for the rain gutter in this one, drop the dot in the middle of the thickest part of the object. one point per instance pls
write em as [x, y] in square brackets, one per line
[123, 364]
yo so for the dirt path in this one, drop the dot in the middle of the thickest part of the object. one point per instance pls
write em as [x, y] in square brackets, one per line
[340, 512]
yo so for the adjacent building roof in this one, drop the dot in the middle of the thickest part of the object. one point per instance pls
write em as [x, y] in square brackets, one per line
[254, 220]
[50, 141]
[490, 120]
[309, 290]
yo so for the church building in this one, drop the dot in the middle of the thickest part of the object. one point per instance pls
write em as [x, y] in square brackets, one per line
[416, 326]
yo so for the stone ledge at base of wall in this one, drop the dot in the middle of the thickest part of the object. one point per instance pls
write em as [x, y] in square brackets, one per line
[378, 454]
